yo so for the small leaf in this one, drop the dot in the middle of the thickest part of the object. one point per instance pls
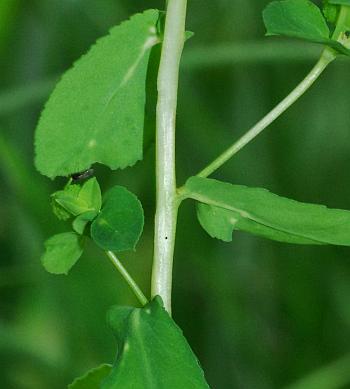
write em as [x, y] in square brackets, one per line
[96, 112]
[152, 351]
[92, 379]
[296, 18]
[225, 207]
[62, 252]
[77, 199]
[81, 221]
[59, 211]
[300, 19]
[90, 194]
[119, 225]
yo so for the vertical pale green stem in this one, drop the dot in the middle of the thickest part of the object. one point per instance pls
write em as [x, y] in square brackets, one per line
[167, 202]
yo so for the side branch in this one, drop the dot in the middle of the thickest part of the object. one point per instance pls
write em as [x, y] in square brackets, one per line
[326, 58]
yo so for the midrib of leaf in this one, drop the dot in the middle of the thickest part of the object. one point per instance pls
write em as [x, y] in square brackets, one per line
[247, 215]
[94, 127]
[149, 43]
[146, 364]
[84, 205]
[115, 231]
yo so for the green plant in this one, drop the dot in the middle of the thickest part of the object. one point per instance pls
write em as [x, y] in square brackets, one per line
[98, 114]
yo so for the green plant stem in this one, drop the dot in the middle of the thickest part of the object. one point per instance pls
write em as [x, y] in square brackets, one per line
[326, 58]
[127, 277]
[167, 201]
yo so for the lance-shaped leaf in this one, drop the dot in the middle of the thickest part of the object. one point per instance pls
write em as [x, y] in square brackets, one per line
[96, 112]
[299, 19]
[92, 379]
[62, 252]
[152, 351]
[225, 207]
[119, 225]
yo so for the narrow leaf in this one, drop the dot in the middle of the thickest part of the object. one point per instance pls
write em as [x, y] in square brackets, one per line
[119, 225]
[225, 207]
[92, 379]
[152, 351]
[62, 252]
[96, 112]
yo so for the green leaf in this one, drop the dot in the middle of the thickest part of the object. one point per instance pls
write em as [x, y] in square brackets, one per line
[300, 19]
[227, 207]
[152, 351]
[96, 112]
[62, 252]
[296, 18]
[59, 211]
[81, 221]
[90, 194]
[119, 225]
[330, 12]
[92, 379]
[76, 199]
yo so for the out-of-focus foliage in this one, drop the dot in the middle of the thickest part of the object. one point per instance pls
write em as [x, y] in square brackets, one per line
[258, 314]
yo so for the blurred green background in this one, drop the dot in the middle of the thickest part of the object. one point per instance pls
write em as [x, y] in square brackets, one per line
[258, 314]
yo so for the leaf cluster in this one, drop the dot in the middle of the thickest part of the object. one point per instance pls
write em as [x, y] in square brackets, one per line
[115, 224]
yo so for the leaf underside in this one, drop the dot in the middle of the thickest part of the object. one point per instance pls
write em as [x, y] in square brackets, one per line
[119, 225]
[225, 207]
[152, 351]
[96, 112]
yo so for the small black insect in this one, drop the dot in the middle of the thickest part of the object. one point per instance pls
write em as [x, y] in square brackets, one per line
[347, 34]
[77, 177]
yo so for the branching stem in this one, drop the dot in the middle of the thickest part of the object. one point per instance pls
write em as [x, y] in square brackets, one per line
[167, 201]
[327, 56]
